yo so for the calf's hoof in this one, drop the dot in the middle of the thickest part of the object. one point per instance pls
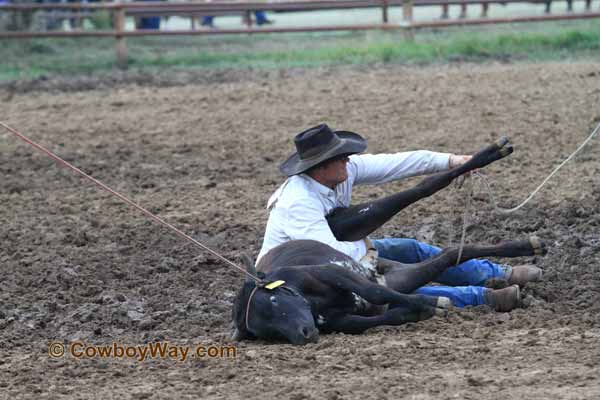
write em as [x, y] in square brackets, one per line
[503, 147]
[442, 307]
[443, 303]
[500, 149]
[505, 150]
[538, 245]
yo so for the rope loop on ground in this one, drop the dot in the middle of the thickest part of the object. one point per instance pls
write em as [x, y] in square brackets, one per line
[500, 210]
[511, 210]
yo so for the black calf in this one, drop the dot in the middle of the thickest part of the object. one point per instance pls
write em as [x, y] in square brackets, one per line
[321, 296]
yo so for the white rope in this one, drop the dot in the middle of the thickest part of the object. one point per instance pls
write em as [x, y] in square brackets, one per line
[510, 210]
[464, 225]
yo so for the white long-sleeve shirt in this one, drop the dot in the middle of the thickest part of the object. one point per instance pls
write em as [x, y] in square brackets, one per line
[299, 206]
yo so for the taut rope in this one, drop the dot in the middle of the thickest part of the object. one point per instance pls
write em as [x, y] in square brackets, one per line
[126, 200]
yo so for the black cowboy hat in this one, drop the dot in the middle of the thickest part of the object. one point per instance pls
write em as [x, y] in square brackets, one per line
[319, 144]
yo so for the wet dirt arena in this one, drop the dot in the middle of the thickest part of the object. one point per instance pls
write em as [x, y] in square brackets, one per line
[78, 266]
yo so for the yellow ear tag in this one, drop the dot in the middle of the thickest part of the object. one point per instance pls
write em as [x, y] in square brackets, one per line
[274, 285]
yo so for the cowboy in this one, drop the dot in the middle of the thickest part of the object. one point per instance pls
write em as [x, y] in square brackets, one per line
[321, 175]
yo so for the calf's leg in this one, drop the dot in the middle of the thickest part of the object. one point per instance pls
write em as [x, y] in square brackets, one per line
[406, 278]
[355, 324]
[340, 278]
[356, 222]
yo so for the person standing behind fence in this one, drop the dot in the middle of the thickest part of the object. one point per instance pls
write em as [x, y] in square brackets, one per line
[261, 19]
[147, 22]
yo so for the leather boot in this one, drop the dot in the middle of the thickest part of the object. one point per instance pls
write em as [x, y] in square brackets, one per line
[503, 300]
[521, 274]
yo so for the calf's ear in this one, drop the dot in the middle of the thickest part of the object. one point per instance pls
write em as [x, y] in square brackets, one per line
[249, 264]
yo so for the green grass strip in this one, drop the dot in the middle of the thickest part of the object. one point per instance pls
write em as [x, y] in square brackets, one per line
[34, 58]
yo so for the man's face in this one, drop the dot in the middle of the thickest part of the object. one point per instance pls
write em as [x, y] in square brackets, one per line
[333, 172]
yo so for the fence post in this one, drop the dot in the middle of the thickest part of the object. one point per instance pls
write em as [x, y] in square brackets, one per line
[407, 16]
[248, 19]
[120, 46]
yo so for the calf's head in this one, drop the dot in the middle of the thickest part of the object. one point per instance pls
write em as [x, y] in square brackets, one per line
[281, 313]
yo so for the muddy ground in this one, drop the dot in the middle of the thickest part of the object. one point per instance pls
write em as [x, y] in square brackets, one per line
[79, 265]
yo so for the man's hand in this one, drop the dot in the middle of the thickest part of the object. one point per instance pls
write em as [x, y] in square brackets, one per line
[456, 160]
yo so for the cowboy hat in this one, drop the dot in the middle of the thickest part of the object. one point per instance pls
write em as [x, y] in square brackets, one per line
[319, 144]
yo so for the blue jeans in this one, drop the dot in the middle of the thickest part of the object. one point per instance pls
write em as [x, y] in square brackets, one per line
[463, 281]
[261, 18]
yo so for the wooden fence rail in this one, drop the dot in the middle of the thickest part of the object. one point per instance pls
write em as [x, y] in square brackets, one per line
[121, 10]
